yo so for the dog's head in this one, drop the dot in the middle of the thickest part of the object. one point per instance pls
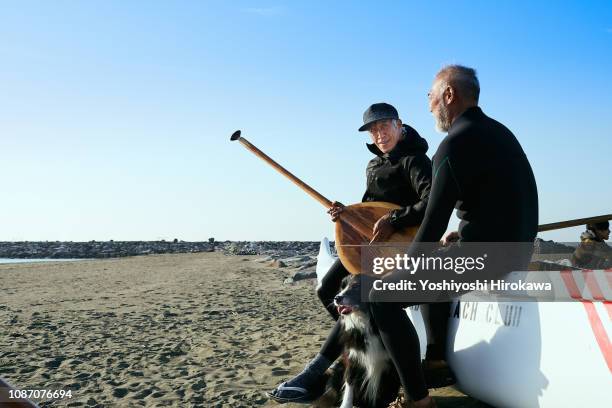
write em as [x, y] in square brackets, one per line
[353, 294]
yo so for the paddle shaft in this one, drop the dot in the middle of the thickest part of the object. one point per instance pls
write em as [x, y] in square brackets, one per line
[353, 219]
[574, 223]
[309, 190]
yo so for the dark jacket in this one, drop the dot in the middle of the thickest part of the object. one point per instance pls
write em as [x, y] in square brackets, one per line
[481, 170]
[402, 177]
[592, 253]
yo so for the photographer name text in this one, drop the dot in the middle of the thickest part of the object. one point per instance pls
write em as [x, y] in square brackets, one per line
[452, 286]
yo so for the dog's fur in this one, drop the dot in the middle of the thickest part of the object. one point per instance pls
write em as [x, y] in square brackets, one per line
[369, 379]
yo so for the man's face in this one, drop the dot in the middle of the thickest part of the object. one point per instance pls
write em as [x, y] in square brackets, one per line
[385, 134]
[438, 107]
[603, 234]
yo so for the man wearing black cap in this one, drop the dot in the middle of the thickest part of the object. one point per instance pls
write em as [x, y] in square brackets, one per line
[400, 173]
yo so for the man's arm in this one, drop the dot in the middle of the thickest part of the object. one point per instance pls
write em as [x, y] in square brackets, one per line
[444, 195]
[419, 172]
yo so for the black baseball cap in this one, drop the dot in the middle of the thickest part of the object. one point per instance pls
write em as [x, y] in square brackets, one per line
[378, 111]
[599, 226]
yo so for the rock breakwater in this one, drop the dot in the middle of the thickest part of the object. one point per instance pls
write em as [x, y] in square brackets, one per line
[114, 249]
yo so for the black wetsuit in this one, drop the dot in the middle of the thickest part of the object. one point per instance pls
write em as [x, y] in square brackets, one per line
[481, 170]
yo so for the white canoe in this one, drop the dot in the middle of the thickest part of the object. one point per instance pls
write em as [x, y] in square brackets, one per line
[526, 354]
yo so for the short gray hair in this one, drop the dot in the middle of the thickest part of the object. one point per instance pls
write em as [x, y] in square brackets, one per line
[463, 79]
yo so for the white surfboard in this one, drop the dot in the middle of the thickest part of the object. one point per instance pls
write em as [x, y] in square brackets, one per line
[528, 354]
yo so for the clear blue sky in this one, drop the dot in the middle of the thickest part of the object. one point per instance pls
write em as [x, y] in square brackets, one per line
[115, 116]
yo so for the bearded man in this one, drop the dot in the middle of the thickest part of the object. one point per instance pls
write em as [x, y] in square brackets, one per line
[481, 170]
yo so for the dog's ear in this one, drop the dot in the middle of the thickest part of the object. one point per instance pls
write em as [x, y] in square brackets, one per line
[346, 281]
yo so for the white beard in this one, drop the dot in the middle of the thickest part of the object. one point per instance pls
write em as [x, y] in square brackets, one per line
[442, 119]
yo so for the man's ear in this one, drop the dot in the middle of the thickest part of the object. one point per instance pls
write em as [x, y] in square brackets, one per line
[449, 95]
[399, 123]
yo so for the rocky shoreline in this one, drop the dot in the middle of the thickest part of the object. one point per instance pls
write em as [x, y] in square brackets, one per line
[116, 249]
[96, 249]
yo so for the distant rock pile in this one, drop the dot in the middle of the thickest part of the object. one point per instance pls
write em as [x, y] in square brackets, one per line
[96, 249]
[279, 249]
[297, 258]
[112, 249]
[299, 267]
[550, 247]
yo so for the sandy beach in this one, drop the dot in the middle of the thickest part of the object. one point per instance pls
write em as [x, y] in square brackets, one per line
[188, 330]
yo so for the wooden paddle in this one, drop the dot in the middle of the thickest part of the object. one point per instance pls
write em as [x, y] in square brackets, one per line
[574, 223]
[355, 224]
[354, 227]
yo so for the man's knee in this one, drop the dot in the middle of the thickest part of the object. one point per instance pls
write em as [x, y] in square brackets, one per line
[320, 292]
[331, 283]
[323, 295]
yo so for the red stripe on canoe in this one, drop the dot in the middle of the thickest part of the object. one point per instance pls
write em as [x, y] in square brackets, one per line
[598, 329]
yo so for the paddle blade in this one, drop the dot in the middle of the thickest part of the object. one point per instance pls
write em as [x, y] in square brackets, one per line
[354, 232]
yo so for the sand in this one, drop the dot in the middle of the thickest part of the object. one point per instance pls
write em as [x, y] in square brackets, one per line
[189, 330]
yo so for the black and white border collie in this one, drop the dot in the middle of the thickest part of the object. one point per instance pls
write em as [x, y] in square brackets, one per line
[369, 379]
